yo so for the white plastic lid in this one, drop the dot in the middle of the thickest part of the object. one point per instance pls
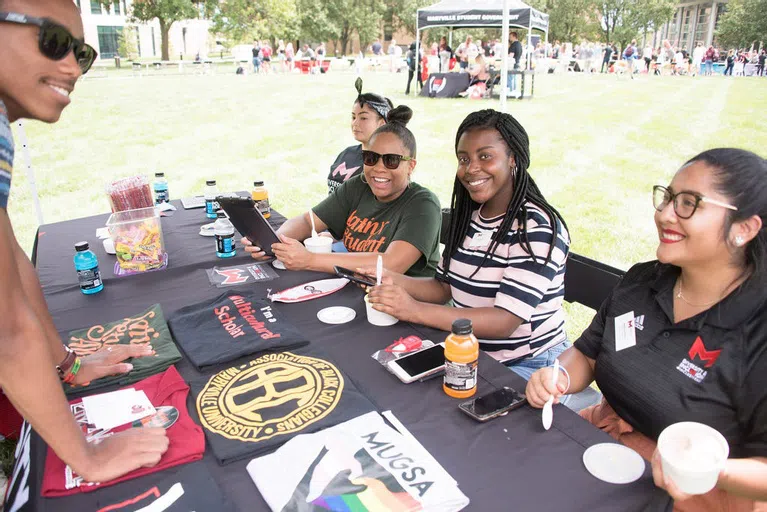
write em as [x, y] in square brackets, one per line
[614, 463]
[336, 315]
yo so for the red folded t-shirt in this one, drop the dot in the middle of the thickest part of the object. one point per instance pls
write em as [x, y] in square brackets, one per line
[168, 392]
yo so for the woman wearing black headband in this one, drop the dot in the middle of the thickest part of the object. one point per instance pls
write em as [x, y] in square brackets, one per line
[368, 113]
[380, 211]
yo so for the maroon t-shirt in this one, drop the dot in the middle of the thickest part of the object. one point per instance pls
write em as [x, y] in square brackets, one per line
[167, 392]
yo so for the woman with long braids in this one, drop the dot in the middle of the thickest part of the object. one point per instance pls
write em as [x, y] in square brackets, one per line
[701, 352]
[504, 261]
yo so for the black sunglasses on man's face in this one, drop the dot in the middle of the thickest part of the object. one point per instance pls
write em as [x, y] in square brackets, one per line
[55, 40]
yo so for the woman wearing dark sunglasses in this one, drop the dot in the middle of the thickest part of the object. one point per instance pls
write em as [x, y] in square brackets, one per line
[696, 349]
[381, 211]
[504, 260]
[41, 57]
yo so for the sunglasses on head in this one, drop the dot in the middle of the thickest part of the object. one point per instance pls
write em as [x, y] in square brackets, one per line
[390, 160]
[55, 40]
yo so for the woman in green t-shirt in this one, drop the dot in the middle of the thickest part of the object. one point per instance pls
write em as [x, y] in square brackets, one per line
[381, 211]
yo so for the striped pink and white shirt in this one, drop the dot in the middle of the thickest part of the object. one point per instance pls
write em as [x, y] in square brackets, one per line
[511, 279]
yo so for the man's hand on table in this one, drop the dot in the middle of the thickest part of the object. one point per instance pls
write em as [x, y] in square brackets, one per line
[292, 254]
[109, 361]
[122, 453]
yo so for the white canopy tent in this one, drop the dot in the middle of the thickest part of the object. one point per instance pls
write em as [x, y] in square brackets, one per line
[484, 14]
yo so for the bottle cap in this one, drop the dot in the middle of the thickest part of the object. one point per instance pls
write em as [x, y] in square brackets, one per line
[210, 183]
[159, 175]
[258, 183]
[462, 326]
[221, 214]
[81, 246]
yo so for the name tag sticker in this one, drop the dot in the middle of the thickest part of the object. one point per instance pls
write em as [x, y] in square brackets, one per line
[481, 239]
[625, 331]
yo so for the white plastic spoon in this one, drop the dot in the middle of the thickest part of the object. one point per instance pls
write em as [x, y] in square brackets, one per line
[548, 414]
[379, 270]
[314, 230]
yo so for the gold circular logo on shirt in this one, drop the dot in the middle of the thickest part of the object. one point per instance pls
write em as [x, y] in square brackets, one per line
[273, 395]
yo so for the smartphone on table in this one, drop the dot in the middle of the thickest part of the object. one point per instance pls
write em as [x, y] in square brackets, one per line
[419, 365]
[492, 405]
[354, 277]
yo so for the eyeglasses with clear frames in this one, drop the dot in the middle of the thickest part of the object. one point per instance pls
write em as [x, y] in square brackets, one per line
[685, 203]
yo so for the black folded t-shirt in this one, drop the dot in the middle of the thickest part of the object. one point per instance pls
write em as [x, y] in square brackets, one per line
[230, 326]
[254, 407]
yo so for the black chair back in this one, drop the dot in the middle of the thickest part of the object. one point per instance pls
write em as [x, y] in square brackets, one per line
[588, 281]
[444, 230]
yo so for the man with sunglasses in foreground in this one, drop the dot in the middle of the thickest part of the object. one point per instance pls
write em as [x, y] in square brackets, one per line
[43, 54]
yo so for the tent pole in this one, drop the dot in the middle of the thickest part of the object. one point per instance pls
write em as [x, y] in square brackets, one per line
[505, 56]
[450, 36]
[529, 56]
[30, 172]
[417, 59]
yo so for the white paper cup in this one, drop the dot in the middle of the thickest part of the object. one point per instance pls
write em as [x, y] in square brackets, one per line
[692, 456]
[319, 244]
[379, 318]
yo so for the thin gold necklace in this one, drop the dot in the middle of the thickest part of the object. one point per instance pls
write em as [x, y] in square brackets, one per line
[680, 296]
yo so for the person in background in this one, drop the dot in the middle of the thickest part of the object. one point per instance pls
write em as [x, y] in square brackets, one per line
[391, 50]
[377, 48]
[630, 55]
[740, 63]
[290, 56]
[256, 56]
[710, 55]
[39, 68]
[606, 59]
[369, 112]
[761, 61]
[445, 54]
[702, 353]
[680, 63]
[647, 56]
[504, 259]
[465, 53]
[380, 212]
[281, 56]
[320, 52]
[515, 52]
[479, 77]
[266, 57]
[697, 58]
[413, 63]
[730, 63]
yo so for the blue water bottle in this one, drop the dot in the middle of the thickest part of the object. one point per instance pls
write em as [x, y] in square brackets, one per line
[161, 194]
[224, 232]
[87, 267]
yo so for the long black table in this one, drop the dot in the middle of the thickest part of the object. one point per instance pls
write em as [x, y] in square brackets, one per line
[509, 463]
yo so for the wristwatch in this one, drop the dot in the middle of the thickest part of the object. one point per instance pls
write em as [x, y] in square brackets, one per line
[63, 367]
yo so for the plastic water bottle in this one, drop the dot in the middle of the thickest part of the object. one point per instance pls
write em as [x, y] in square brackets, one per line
[224, 232]
[87, 267]
[211, 205]
[160, 188]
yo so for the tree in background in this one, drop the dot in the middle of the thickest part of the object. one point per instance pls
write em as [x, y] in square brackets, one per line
[404, 13]
[127, 44]
[743, 24]
[571, 20]
[246, 20]
[167, 12]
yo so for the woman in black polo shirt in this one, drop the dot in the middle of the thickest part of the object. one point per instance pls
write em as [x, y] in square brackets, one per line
[696, 345]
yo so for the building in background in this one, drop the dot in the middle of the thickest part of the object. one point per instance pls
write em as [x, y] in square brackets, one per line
[103, 28]
[693, 21]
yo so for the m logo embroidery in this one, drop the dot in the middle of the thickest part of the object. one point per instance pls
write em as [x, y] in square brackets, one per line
[699, 350]
[233, 276]
[708, 357]
[344, 172]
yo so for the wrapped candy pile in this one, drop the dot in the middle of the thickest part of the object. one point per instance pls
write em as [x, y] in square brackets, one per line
[137, 236]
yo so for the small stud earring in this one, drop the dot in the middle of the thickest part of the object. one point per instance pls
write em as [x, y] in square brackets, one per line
[738, 240]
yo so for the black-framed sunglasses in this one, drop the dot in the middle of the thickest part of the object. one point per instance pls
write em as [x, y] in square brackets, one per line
[685, 203]
[390, 160]
[55, 40]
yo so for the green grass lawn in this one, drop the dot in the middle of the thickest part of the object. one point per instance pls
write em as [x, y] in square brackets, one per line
[599, 143]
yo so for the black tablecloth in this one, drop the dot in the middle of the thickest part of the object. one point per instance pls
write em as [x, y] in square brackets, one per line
[509, 463]
[445, 85]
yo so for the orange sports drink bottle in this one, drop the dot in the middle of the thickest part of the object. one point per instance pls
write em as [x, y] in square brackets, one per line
[261, 197]
[461, 354]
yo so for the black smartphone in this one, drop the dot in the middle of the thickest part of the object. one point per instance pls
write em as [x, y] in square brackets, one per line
[353, 276]
[246, 219]
[419, 364]
[493, 404]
